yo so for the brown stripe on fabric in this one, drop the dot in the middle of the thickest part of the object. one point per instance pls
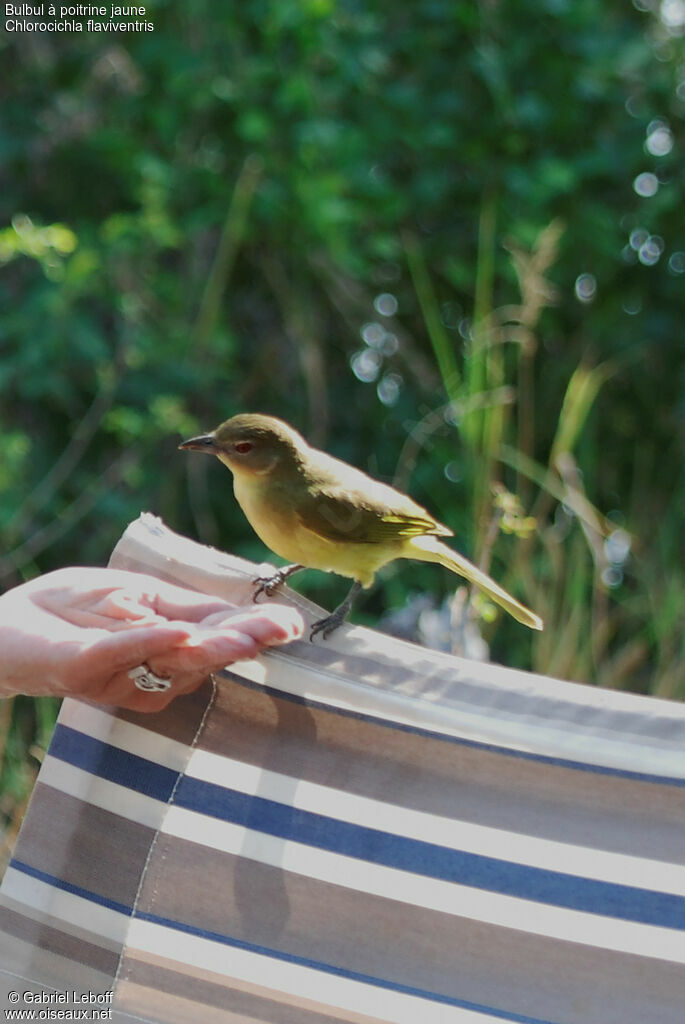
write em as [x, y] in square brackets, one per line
[167, 992]
[28, 923]
[388, 663]
[40, 957]
[160, 1007]
[405, 944]
[84, 845]
[396, 666]
[179, 720]
[450, 779]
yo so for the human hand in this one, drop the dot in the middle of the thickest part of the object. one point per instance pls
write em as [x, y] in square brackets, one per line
[79, 631]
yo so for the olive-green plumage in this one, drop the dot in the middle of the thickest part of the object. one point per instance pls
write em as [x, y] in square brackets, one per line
[320, 513]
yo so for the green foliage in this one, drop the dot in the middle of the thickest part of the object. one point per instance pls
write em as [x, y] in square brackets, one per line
[411, 231]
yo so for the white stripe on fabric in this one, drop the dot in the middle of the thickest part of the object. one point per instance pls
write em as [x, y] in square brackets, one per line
[110, 796]
[299, 981]
[134, 739]
[563, 730]
[65, 906]
[433, 894]
[568, 858]
[518, 848]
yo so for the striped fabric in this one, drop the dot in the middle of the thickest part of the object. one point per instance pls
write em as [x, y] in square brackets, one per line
[356, 830]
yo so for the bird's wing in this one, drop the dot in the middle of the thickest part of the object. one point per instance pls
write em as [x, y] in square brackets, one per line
[351, 506]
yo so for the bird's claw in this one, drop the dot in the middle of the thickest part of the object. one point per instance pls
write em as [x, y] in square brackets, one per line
[325, 626]
[336, 618]
[267, 585]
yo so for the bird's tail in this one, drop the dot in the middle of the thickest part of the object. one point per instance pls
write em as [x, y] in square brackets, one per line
[429, 549]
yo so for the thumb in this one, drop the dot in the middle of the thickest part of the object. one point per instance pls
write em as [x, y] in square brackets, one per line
[130, 647]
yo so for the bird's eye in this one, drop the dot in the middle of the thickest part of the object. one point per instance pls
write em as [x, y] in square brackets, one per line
[243, 447]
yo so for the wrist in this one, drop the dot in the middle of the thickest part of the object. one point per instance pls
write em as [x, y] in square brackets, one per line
[13, 676]
[21, 648]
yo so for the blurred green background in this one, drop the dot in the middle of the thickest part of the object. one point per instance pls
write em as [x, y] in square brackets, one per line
[445, 240]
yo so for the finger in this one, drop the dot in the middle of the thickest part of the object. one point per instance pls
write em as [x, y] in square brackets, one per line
[120, 691]
[213, 654]
[174, 602]
[124, 605]
[184, 654]
[268, 624]
[243, 637]
[131, 647]
[118, 607]
[121, 594]
[123, 691]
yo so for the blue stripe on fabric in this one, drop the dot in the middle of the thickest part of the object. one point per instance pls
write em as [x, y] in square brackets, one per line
[413, 855]
[75, 890]
[227, 940]
[435, 734]
[112, 763]
[431, 860]
[341, 972]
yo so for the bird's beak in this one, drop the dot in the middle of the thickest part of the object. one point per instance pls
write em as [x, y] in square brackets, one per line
[202, 443]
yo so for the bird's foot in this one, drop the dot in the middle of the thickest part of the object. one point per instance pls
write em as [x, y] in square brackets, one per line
[268, 585]
[335, 619]
[328, 625]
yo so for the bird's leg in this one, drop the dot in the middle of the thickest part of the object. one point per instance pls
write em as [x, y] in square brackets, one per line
[336, 618]
[269, 584]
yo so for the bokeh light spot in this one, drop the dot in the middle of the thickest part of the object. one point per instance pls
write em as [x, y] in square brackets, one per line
[650, 252]
[366, 365]
[389, 388]
[659, 140]
[638, 237]
[373, 334]
[646, 184]
[385, 304]
[676, 263]
[585, 287]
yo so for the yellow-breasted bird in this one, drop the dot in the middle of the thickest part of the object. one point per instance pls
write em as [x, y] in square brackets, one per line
[320, 513]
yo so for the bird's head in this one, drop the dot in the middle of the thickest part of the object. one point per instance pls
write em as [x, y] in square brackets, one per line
[250, 443]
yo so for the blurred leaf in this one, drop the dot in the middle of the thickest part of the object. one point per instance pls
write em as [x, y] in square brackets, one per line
[583, 388]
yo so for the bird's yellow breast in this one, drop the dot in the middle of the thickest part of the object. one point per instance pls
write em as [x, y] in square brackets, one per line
[275, 521]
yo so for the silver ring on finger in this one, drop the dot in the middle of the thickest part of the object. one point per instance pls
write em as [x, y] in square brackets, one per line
[145, 679]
